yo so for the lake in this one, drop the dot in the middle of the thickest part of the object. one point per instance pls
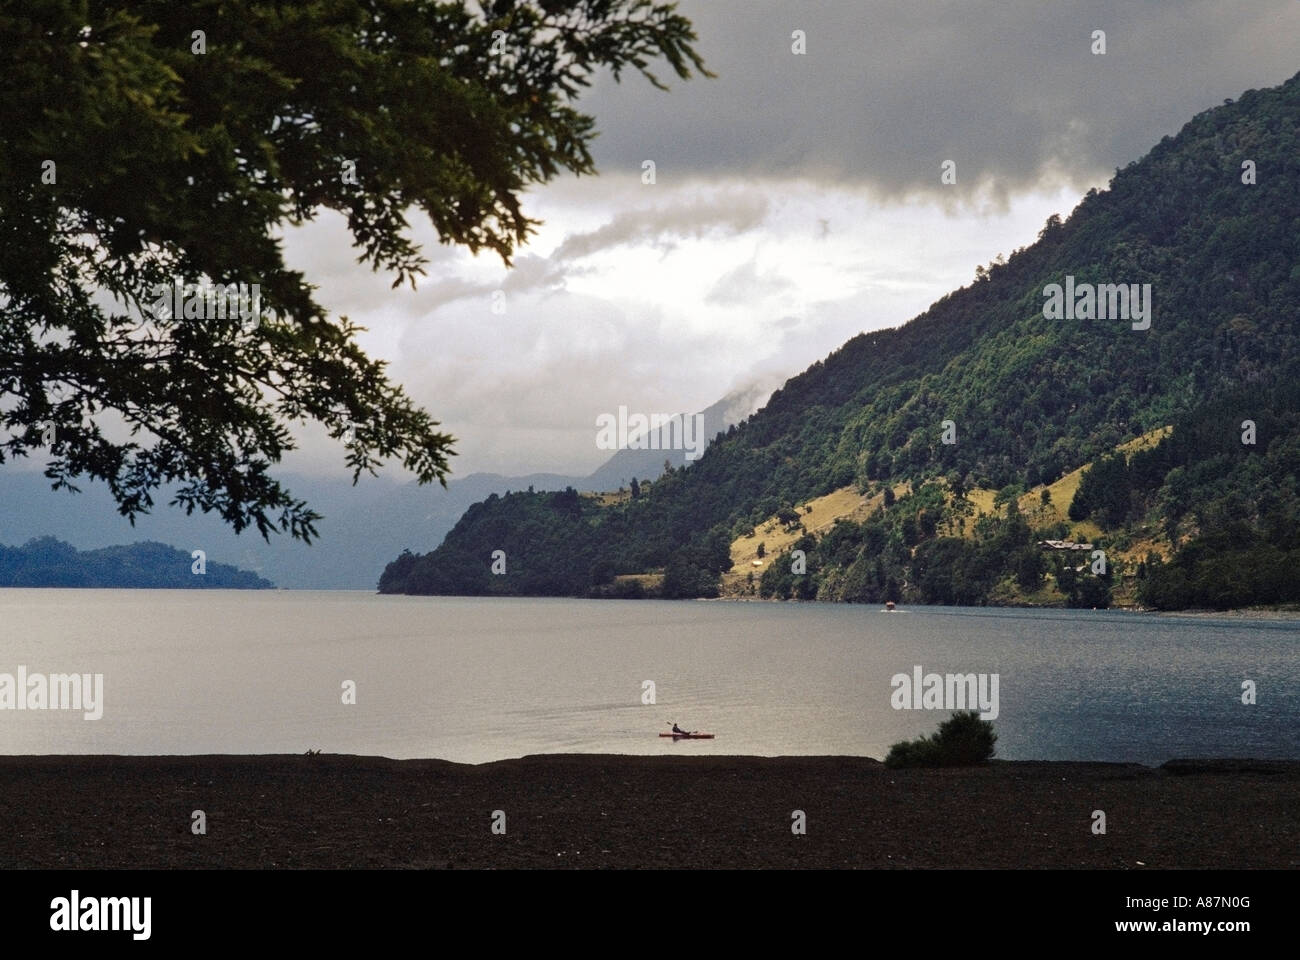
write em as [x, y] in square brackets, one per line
[472, 680]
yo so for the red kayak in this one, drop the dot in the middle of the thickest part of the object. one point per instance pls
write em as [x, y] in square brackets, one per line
[688, 736]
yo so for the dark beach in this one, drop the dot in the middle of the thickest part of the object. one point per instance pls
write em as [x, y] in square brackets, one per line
[587, 811]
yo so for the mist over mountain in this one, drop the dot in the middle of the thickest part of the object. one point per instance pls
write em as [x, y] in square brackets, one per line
[648, 463]
[365, 525]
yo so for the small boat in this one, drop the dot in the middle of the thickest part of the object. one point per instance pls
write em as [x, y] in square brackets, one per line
[688, 736]
[889, 606]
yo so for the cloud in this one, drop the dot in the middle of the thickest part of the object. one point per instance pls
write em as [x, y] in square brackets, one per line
[682, 215]
[747, 282]
[728, 213]
[1008, 89]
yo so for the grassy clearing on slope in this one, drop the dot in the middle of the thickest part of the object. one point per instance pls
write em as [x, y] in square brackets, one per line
[848, 504]
[844, 503]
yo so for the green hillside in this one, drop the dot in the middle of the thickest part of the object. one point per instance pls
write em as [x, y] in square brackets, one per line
[48, 562]
[1030, 399]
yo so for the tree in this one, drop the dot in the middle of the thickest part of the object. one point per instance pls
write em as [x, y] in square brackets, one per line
[1008, 496]
[137, 156]
[1104, 492]
[1029, 567]
[1088, 591]
[962, 739]
[602, 572]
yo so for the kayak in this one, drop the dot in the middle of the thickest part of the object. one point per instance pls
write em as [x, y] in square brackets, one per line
[688, 736]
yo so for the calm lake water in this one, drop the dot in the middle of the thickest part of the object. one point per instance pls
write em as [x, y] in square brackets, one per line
[474, 680]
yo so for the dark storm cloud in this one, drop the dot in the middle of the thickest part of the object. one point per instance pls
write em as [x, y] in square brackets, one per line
[889, 89]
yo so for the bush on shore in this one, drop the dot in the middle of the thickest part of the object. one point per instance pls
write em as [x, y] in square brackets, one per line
[960, 740]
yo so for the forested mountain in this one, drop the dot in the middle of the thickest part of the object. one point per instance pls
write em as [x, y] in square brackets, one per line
[47, 562]
[983, 390]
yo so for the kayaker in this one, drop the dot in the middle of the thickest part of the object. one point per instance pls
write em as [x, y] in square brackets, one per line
[677, 729]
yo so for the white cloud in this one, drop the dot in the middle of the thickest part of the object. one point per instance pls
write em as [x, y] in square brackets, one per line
[719, 283]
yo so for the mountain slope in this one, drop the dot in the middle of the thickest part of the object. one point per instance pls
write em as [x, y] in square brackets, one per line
[1027, 399]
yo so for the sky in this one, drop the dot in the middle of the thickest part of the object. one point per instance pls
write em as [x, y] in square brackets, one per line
[797, 202]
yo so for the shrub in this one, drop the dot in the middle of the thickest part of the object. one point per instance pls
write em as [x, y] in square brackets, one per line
[962, 739]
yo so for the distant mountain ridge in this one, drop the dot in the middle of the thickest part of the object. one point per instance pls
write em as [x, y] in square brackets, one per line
[47, 562]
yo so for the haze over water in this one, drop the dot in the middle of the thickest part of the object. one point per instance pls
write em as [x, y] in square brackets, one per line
[474, 680]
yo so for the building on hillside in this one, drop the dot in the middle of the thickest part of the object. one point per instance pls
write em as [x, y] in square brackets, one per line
[1068, 546]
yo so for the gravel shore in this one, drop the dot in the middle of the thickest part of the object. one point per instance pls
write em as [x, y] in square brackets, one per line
[585, 811]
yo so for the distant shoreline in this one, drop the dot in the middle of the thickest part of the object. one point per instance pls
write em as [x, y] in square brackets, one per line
[598, 810]
[1244, 613]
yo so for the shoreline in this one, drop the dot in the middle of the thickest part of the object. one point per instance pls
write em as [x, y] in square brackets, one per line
[335, 811]
[1242, 613]
[1237, 613]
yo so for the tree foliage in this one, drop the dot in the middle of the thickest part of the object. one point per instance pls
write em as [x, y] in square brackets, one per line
[132, 158]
